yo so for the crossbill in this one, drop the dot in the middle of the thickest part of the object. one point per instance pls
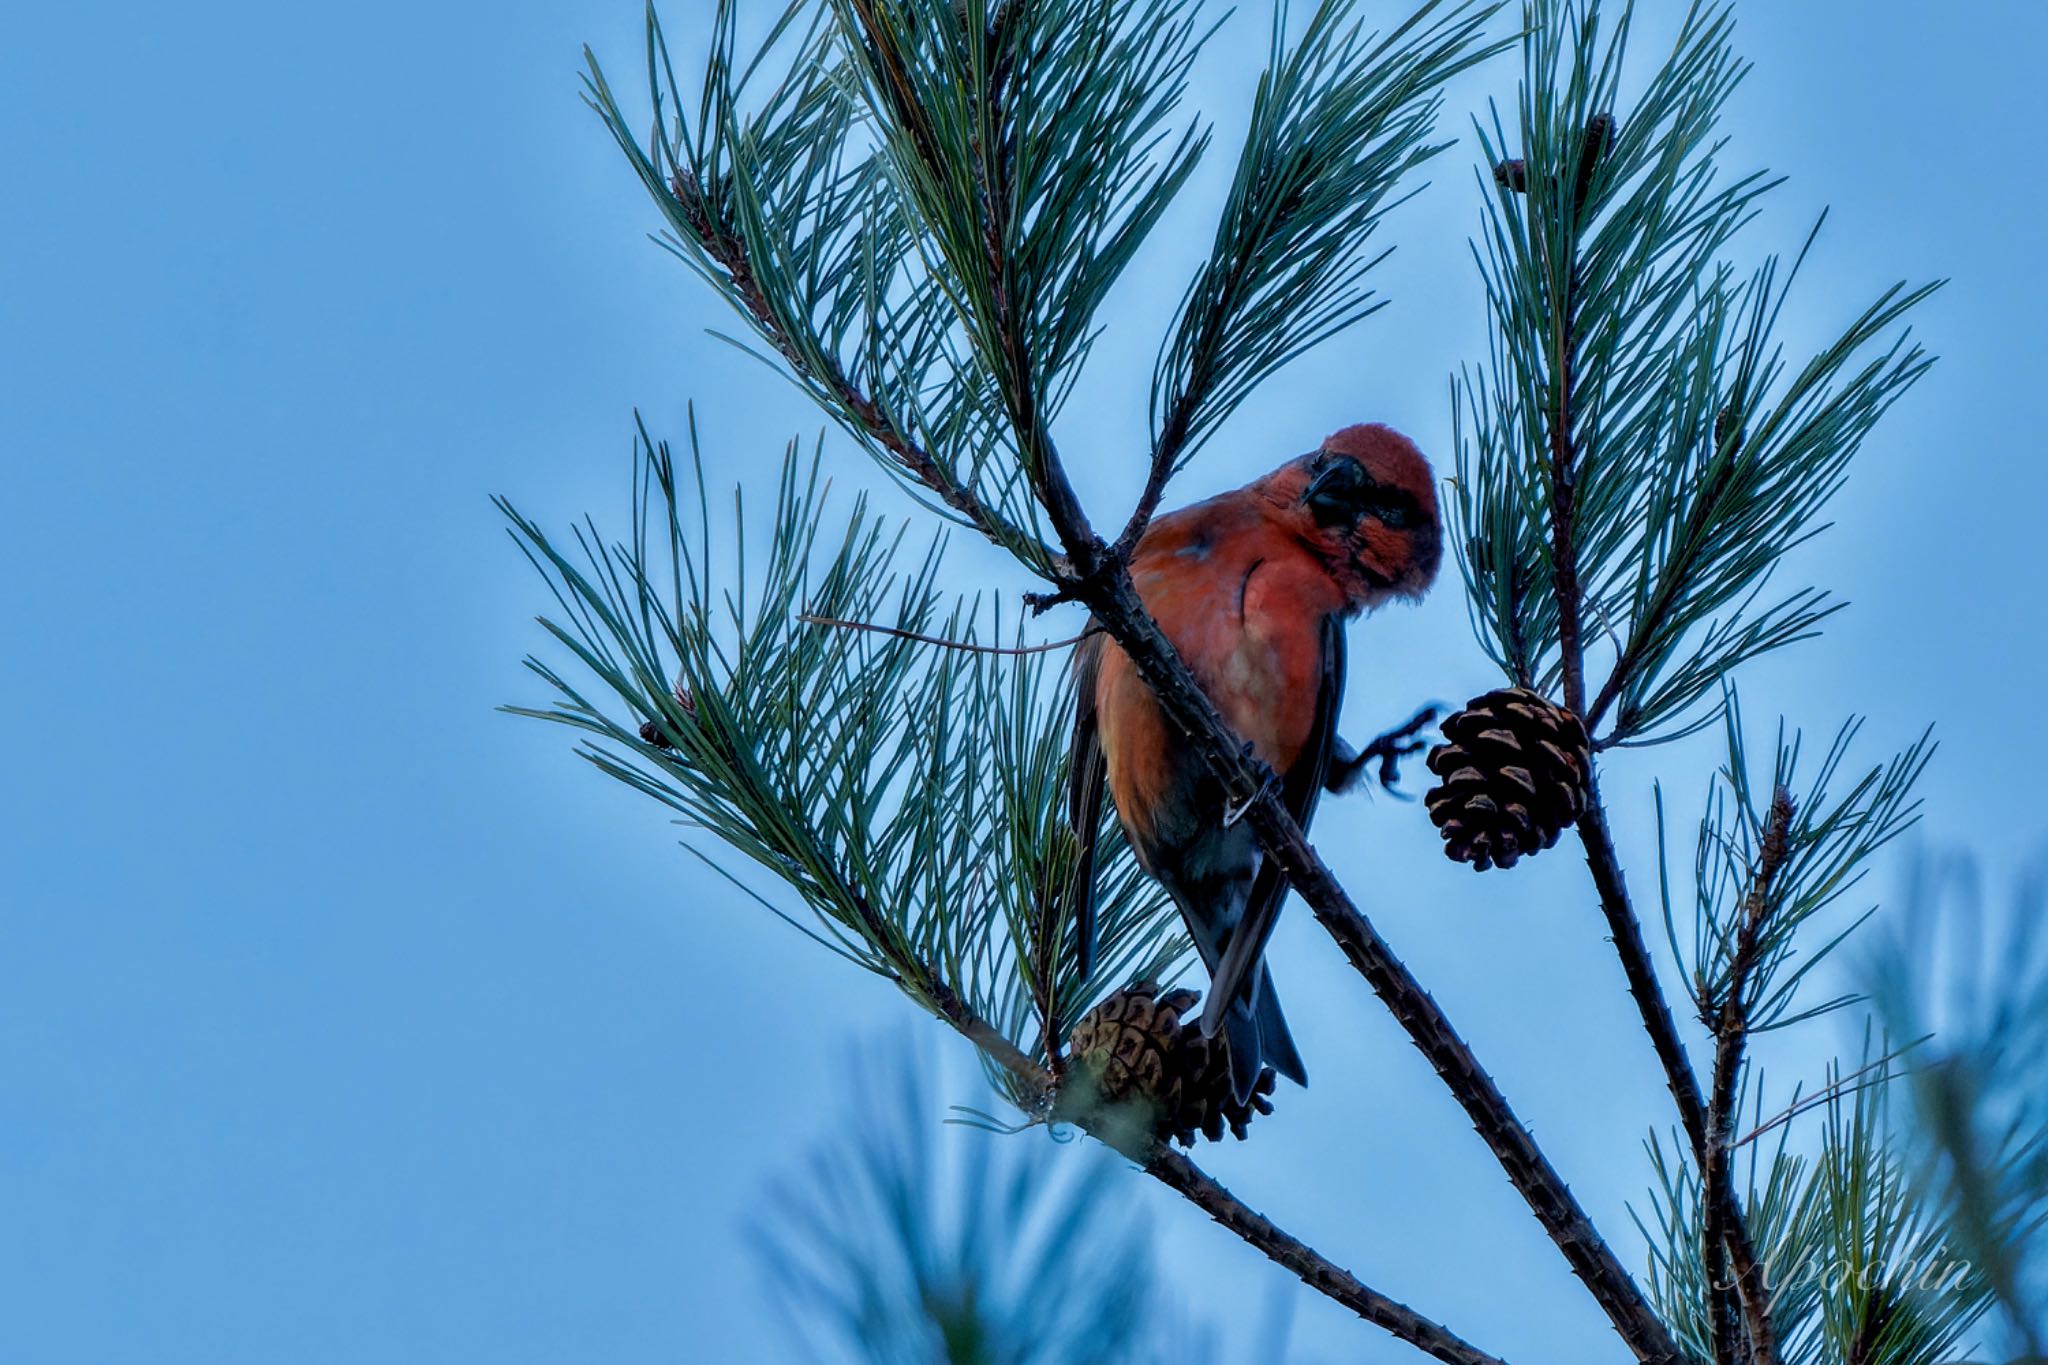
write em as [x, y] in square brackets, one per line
[1253, 587]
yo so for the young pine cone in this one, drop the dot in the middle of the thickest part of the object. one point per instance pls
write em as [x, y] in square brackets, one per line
[650, 732]
[1512, 775]
[1132, 1057]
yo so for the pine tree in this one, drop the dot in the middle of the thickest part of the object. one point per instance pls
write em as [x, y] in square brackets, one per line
[917, 208]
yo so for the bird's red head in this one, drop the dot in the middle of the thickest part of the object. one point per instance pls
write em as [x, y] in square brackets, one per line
[1366, 502]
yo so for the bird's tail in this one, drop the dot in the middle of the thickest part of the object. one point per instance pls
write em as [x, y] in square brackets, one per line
[1257, 1035]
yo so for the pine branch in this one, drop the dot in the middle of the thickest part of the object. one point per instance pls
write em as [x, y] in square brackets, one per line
[1177, 1173]
[729, 252]
[1097, 578]
[1637, 458]
[1633, 464]
[1558, 256]
[1341, 117]
[1731, 1039]
[1859, 1266]
[1185, 1178]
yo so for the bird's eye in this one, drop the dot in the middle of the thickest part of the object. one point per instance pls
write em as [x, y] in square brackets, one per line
[1394, 512]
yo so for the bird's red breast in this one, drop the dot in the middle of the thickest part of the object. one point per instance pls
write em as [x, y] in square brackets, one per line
[1243, 599]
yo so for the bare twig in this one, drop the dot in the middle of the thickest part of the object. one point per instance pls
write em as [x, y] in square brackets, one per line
[941, 641]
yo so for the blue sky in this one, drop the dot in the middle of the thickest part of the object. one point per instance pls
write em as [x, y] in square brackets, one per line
[344, 1019]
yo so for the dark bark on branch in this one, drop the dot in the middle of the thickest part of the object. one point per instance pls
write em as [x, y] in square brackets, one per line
[1626, 932]
[1176, 1172]
[1731, 1039]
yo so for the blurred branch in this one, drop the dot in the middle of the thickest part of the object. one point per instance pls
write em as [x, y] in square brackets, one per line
[904, 1242]
[1980, 1091]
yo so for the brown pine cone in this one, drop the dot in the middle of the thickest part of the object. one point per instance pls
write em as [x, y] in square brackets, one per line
[1512, 775]
[1208, 1102]
[1134, 1062]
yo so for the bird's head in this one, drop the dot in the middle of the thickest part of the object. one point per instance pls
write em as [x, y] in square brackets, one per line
[1366, 502]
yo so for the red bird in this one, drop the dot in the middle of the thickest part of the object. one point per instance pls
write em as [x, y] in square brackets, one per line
[1253, 587]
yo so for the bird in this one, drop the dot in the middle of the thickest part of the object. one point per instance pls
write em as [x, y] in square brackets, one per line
[1253, 588]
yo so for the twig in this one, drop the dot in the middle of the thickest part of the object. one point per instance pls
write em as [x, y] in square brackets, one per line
[1850, 1084]
[941, 641]
[1731, 1041]
[1166, 452]
[1176, 1172]
[1626, 933]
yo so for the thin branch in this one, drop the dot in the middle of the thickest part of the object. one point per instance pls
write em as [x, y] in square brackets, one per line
[1176, 1172]
[965, 647]
[1166, 454]
[730, 253]
[1626, 932]
[1564, 483]
[1731, 1040]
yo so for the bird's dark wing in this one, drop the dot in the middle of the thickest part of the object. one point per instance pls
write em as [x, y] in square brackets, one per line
[1300, 786]
[1087, 774]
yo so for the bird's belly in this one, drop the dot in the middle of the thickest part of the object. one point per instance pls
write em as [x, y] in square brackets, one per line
[1268, 703]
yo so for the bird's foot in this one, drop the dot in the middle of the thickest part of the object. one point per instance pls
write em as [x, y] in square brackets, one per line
[1234, 811]
[1405, 741]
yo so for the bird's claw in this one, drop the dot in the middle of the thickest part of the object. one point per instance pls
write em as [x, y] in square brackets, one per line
[1235, 811]
[1397, 744]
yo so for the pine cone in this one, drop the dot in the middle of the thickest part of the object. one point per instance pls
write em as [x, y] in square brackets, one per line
[1512, 775]
[1133, 1058]
[1126, 1045]
[1599, 138]
[1207, 1102]
[650, 731]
